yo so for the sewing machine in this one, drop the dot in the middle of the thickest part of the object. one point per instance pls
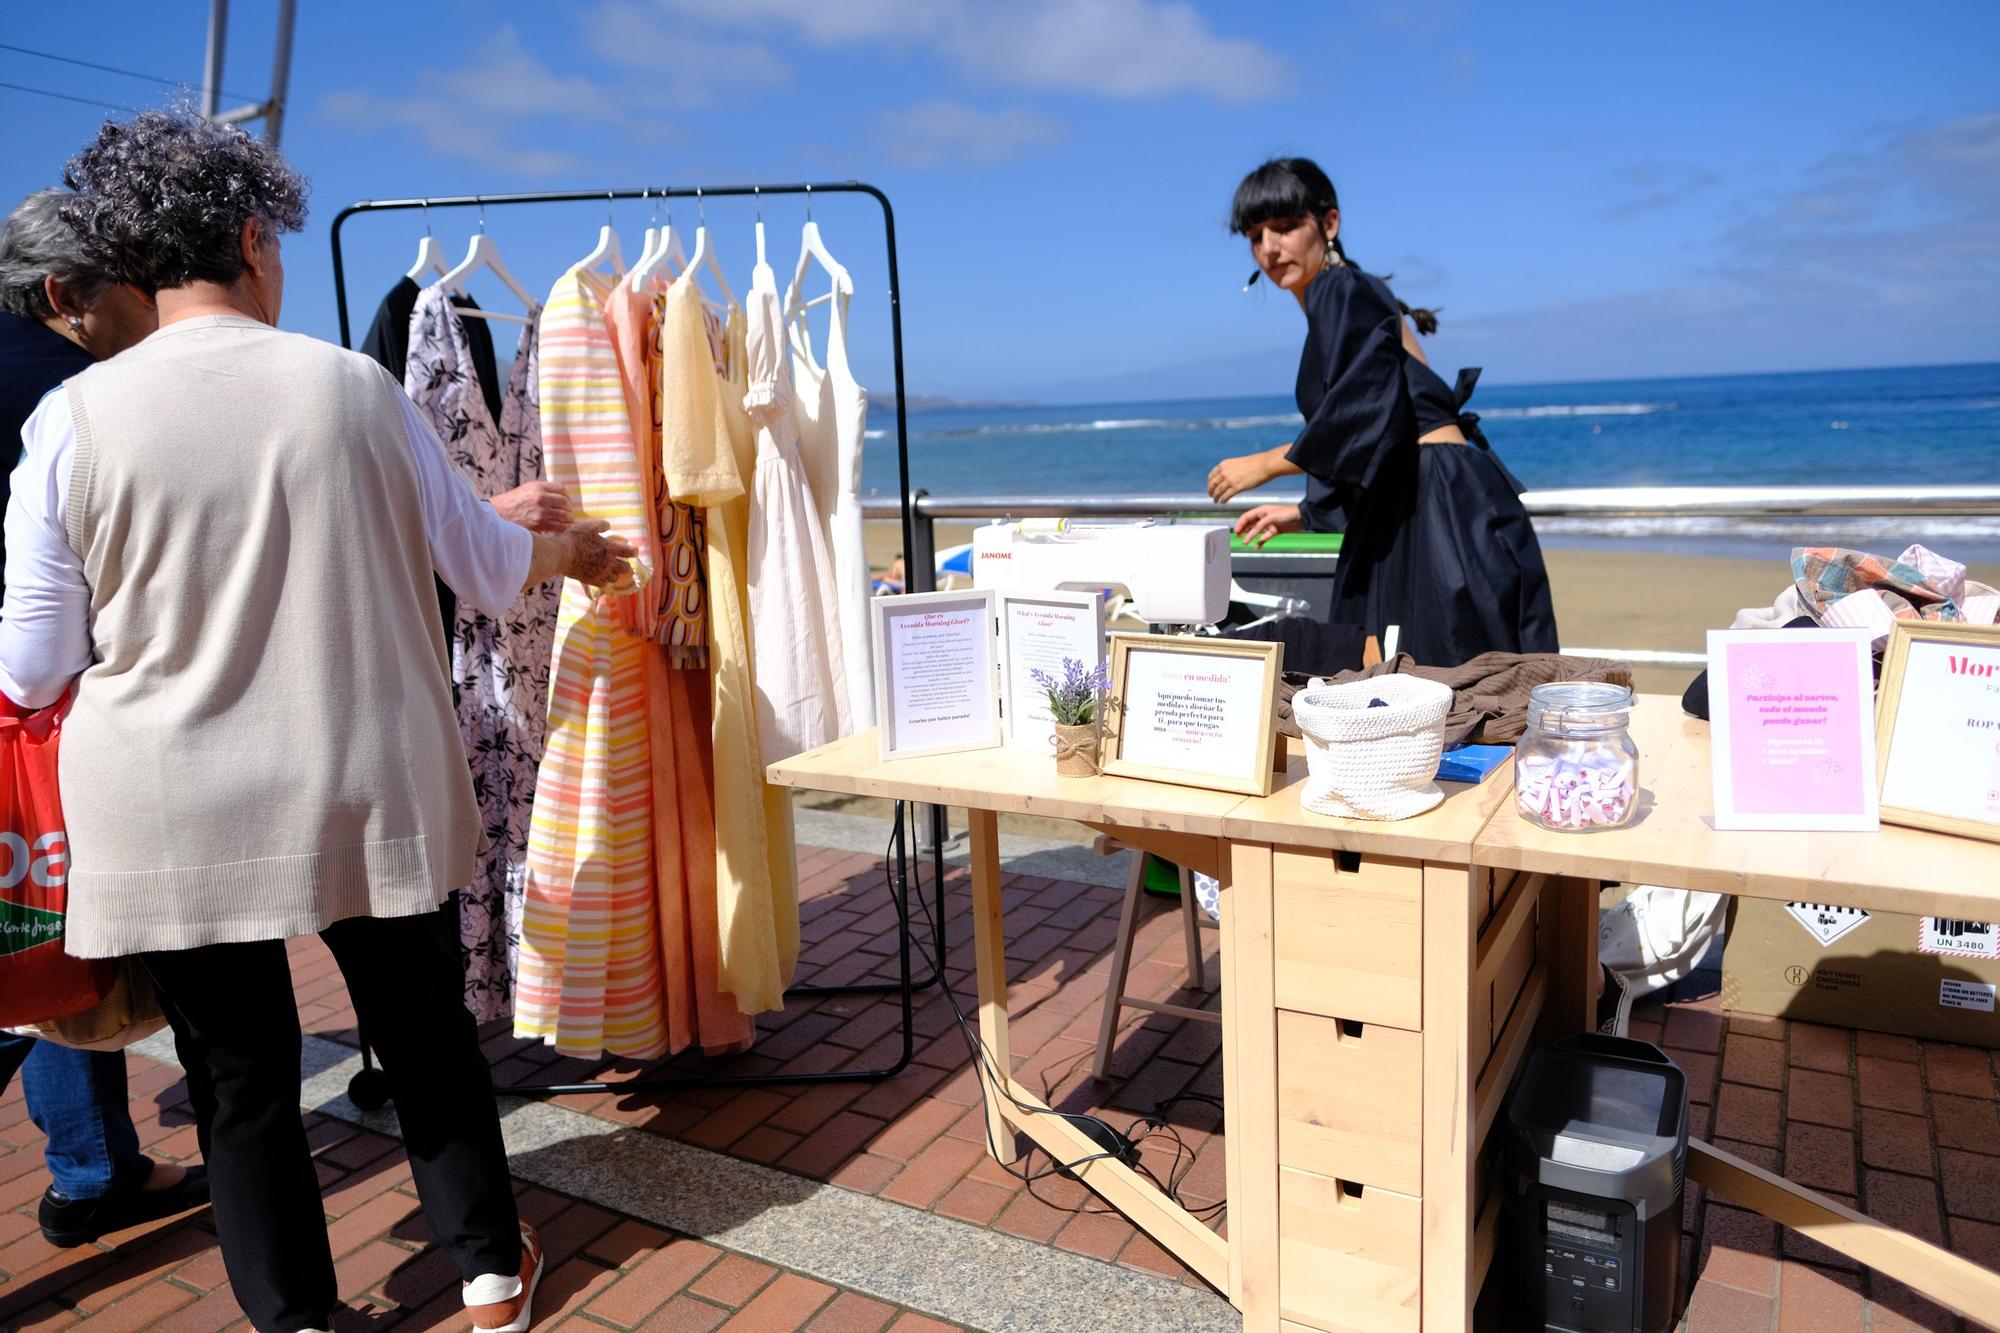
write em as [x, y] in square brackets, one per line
[1177, 573]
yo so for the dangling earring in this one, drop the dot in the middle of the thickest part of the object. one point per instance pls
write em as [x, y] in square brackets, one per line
[1333, 253]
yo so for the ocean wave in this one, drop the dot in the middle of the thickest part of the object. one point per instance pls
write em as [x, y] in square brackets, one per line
[1573, 410]
[1123, 423]
[1936, 533]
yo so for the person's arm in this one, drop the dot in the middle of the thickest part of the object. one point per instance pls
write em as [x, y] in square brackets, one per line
[1233, 476]
[485, 559]
[45, 626]
[1365, 413]
[1259, 525]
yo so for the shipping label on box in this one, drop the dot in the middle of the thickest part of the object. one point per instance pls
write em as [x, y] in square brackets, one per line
[1957, 939]
[1930, 977]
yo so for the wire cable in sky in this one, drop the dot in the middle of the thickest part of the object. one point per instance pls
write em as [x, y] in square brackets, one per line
[85, 101]
[112, 69]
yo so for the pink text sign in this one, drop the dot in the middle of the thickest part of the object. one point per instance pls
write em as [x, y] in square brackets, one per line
[1792, 733]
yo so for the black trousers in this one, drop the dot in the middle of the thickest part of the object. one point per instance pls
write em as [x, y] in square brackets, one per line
[236, 1026]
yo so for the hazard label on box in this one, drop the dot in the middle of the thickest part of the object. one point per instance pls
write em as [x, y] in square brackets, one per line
[1825, 922]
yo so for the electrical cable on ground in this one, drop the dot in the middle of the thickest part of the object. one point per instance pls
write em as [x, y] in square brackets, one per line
[1129, 1140]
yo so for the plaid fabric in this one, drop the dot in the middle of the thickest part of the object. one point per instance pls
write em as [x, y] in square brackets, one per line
[1825, 574]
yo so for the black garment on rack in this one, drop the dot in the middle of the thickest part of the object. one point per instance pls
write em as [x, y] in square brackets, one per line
[388, 341]
[34, 359]
[1436, 539]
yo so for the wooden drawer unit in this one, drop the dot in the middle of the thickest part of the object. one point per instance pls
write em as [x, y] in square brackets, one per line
[1507, 950]
[1349, 1258]
[1350, 1100]
[1348, 943]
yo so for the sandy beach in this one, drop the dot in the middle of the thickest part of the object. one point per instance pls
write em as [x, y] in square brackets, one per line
[1615, 600]
[1611, 599]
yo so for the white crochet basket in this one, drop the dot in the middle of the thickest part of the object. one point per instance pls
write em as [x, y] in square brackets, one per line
[1372, 763]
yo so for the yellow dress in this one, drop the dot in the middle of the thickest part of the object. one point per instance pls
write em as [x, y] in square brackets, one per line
[708, 448]
[589, 977]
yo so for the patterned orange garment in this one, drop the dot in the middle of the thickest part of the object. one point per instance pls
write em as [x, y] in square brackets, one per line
[696, 1010]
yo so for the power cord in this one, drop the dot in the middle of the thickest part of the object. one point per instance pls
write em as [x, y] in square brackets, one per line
[1122, 1146]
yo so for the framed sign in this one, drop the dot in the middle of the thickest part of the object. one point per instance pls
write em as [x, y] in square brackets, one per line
[1937, 728]
[934, 676]
[1200, 712]
[1038, 632]
[1790, 740]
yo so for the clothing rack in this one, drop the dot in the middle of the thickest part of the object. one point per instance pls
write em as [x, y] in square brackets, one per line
[369, 1088]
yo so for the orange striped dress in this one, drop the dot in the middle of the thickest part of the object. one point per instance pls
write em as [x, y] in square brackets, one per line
[589, 977]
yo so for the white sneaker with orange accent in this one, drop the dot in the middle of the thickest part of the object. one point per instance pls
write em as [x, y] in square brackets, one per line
[493, 1312]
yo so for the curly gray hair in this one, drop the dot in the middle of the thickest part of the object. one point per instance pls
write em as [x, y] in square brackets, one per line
[37, 242]
[162, 198]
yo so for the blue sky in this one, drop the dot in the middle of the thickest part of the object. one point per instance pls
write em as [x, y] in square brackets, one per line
[1588, 191]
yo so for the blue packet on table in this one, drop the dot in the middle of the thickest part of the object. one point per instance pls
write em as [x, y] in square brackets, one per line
[1471, 763]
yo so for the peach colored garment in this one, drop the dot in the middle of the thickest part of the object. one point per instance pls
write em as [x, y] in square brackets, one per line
[683, 765]
[708, 450]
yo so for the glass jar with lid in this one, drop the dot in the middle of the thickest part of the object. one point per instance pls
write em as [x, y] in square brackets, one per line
[1576, 766]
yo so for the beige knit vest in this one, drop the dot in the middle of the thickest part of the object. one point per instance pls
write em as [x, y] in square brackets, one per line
[264, 742]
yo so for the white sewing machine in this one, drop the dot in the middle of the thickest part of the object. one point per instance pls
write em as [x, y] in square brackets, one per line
[1177, 573]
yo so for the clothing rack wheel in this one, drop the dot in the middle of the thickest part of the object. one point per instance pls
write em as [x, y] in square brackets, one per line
[369, 1087]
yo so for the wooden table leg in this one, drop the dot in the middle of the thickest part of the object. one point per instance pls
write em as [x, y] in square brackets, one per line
[1573, 966]
[1250, 1084]
[989, 943]
[1451, 928]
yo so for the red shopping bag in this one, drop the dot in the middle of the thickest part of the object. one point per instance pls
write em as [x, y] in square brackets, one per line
[38, 981]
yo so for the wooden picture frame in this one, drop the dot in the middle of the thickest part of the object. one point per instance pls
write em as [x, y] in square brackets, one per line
[1085, 612]
[1957, 744]
[1239, 712]
[963, 635]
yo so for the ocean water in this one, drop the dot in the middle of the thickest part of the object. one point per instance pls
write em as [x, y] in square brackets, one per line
[1929, 425]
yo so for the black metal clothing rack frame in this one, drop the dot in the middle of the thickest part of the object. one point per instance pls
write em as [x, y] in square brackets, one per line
[369, 1088]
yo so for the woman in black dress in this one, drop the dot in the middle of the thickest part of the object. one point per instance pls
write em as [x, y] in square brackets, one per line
[1436, 540]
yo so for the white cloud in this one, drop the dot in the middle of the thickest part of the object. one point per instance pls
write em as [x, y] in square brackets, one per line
[446, 129]
[1884, 253]
[480, 108]
[940, 132]
[1107, 48]
[687, 69]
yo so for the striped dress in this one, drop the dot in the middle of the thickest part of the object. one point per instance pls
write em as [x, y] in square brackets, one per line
[590, 964]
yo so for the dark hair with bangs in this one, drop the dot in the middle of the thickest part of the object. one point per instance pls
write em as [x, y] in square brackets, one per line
[1295, 187]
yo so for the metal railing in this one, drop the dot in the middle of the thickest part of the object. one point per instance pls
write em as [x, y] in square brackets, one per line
[1739, 502]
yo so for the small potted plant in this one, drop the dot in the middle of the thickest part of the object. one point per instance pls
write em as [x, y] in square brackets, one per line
[1073, 701]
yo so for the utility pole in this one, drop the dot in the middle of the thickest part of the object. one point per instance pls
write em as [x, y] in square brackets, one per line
[272, 110]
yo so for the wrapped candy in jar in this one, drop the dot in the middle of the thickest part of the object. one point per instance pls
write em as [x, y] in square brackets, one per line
[1576, 767]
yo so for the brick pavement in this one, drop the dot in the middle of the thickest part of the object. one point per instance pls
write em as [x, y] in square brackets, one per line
[1904, 1130]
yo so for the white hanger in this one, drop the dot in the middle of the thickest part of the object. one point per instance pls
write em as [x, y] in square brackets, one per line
[430, 255]
[703, 253]
[483, 253]
[607, 250]
[661, 246]
[812, 246]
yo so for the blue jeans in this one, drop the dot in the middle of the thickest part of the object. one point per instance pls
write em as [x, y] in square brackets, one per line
[78, 1098]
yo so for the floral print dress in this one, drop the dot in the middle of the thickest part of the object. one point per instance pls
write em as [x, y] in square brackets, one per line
[499, 667]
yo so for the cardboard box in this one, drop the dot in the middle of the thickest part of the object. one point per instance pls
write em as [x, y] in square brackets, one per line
[1917, 976]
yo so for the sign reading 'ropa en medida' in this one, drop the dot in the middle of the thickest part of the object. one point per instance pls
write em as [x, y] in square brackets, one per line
[1792, 735]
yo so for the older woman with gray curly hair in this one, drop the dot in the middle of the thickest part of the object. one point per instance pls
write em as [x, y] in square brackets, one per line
[233, 534]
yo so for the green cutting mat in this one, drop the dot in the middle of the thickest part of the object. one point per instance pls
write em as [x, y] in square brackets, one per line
[1292, 543]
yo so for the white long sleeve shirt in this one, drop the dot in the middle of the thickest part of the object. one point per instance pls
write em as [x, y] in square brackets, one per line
[45, 625]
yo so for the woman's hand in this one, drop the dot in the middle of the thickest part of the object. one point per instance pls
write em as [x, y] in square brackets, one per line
[596, 559]
[1233, 476]
[539, 506]
[1259, 525]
